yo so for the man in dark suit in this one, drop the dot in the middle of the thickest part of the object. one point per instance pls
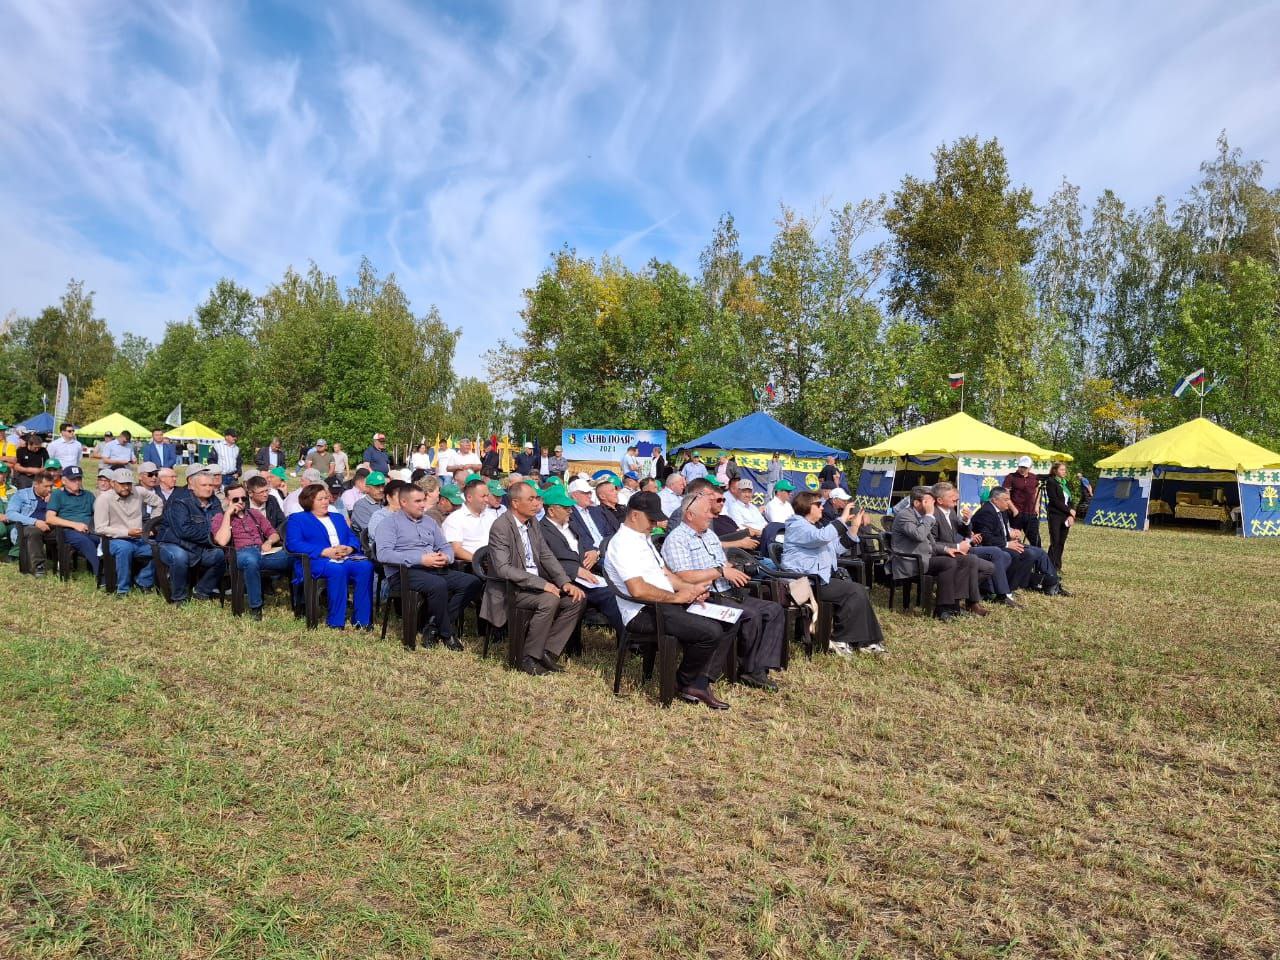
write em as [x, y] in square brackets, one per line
[519, 554]
[914, 535]
[953, 529]
[526, 462]
[607, 513]
[1031, 565]
[574, 551]
[272, 455]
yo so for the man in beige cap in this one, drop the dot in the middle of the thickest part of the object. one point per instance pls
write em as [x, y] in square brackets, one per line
[117, 515]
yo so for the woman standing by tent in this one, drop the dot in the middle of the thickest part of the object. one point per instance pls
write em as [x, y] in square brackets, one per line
[1061, 510]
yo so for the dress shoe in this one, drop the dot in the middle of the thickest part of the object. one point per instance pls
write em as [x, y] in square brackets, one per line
[552, 663]
[1052, 590]
[1008, 601]
[452, 643]
[532, 667]
[945, 614]
[977, 609]
[694, 695]
[1063, 591]
[759, 681]
[255, 613]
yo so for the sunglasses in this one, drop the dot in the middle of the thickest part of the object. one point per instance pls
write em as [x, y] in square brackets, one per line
[236, 499]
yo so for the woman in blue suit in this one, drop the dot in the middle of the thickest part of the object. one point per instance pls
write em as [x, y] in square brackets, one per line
[335, 556]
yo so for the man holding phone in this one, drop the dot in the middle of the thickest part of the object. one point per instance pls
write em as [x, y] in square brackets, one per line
[249, 532]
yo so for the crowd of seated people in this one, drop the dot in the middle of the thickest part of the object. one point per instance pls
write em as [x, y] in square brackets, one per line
[624, 549]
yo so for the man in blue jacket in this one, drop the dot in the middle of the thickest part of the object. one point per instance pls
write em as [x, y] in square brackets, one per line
[376, 456]
[161, 451]
[186, 536]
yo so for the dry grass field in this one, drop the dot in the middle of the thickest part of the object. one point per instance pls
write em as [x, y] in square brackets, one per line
[1095, 776]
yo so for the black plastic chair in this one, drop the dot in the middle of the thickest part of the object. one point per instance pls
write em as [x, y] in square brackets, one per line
[517, 626]
[50, 547]
[164, 578]
[820, 636]
[657, 647]
[68, 558]
[925, 585]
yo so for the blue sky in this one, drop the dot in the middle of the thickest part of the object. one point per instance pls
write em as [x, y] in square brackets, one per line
[150, 148]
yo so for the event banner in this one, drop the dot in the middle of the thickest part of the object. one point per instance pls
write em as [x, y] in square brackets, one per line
[875, 484]
[1121, 498]
[609, 445]
[977, 474]
[1260, 503]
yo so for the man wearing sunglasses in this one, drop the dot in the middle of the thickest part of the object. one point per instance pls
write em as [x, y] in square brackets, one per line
[250, 533]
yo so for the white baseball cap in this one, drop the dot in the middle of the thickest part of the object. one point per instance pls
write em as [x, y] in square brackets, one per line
[1024, 462]
[839, 493]
[579, 486]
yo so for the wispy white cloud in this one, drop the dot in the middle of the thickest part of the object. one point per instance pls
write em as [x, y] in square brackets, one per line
[151, 151]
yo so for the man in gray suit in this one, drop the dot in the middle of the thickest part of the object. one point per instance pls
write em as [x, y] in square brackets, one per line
[518, 553]
[914, 534]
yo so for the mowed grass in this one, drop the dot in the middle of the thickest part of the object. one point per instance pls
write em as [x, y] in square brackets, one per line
[1095, 776]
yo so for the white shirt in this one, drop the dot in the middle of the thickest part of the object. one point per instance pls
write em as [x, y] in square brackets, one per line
[778, 511]
[567, 533]
[632, 554]
[349, 498]
[227, 453]
[596, 533]
[444, 461]
[465, 528]
[625, 494]
[670, 500]
[291, 504]
[331, 530]
[419, 461]
[471, 459]
[66, 452]
[744, 514]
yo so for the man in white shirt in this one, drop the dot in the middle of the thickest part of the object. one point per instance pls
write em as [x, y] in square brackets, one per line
[778, 509]
[672, 493]
[742, 510]
[630, 485]
[466, 456]
[467, 529]
[635, 567]
[309, 476]
[67, 450]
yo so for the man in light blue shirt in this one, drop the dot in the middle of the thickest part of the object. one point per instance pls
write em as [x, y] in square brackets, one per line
[694, 469]
[67, 450]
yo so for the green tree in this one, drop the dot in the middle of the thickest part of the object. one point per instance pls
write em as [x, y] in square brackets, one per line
[66, 338]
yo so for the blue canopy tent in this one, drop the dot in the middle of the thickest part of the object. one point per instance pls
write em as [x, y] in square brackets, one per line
[40, 423]
[754, 439]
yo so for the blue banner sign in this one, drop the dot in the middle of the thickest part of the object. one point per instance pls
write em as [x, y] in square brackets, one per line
[610, 445]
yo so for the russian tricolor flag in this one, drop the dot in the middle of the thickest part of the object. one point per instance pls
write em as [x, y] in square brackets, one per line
[955, 380]
[1193, 379]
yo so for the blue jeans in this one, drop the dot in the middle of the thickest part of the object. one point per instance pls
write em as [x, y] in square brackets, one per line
[338, 575]
[182, 561]
[124, 552]
[253, 565]
[85, 544]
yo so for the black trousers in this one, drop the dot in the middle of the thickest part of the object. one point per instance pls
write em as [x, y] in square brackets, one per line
[1058, 531]
[856, 622]
[1029, 523]
[704, 642]
[761, 632]
[446, 591]
[959, 578]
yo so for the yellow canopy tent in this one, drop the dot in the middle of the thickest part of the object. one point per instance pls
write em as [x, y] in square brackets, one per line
[113, 423]
[1195, 471]
[194, 430]
[975, 455]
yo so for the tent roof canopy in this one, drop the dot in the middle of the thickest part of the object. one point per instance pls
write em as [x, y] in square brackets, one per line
[761, 433]
[958, 433]
[193, 430]
[1196, 443]
[40, 423]
[114, 423]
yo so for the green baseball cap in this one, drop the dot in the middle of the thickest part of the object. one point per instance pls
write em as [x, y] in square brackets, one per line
[375, 479]
[4, 468]
[555, 496]
[555, 480]
[451, 493]
[472, 476]
[496, 488]
[784, 484]
[280, 472]
[714, 481]
[53, 464]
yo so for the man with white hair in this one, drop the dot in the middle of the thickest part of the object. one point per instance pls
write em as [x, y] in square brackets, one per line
[671, 494]
[166, 483]
[586, 528]
[741, 508]
[309, 476]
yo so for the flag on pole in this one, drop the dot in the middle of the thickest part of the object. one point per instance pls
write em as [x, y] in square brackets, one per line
[174, 419]
[955, 380]
[1193, 379]
[61, 400]
[771, 390]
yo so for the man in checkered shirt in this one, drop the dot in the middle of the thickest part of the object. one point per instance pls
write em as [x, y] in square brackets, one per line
[694, 556]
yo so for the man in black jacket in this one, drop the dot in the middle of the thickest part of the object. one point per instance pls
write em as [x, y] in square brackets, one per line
[186, 537]
[576, 554]
[1031, 565]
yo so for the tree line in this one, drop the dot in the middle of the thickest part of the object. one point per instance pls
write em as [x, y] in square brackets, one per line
[1072, 320]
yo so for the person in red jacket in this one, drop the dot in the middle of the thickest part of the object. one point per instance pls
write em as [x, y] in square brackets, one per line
[1024, 490]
